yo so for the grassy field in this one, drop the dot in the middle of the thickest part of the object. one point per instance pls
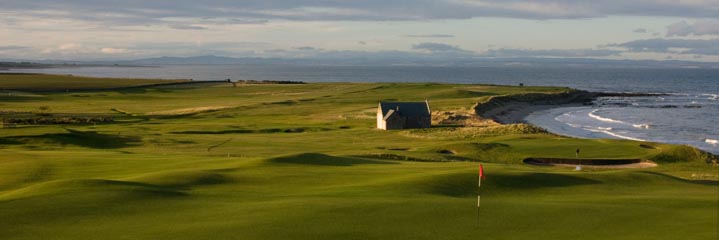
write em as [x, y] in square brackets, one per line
[305, 162]
[35, 82]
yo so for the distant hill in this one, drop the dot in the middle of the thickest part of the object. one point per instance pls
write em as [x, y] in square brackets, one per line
[23, 65]
[350, 59]
[191, 60]
[427, 61]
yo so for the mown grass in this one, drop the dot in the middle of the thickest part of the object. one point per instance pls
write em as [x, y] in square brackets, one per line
[247, 171]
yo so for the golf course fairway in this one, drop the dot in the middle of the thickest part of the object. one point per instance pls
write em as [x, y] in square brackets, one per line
[305, 161]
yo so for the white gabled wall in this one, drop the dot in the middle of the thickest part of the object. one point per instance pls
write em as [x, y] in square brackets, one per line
[381, 124]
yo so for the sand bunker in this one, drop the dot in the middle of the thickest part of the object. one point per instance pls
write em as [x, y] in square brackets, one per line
[591, 163]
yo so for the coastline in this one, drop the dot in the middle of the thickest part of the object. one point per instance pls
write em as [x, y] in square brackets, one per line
[517, 112]
[515, 108]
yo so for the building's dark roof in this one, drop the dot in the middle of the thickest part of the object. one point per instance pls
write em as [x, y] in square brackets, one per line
[406, 108]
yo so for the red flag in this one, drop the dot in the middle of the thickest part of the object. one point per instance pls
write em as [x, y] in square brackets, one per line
[481, 172]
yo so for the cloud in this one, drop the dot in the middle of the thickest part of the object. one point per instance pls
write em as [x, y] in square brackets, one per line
[675, 46]
[431, 50]
[186, 27]
[223, 48]
[698, 28]
[213, 12]
[307, 48]
[65, 50]
[11, 48]
[196, 45]
[103, 51]
[640, 30]
[437, 47]
[568, 53]
[113, 50]
[430, 36]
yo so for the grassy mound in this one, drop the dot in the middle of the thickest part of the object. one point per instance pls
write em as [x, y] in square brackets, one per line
[465, 184]
[87, 139]
[91, 188]
[459, 133]
[323, 160]
[183, 179]
[682, 153]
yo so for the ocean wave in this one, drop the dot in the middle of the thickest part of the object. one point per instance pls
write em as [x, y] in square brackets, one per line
[589, 128]
[565, 116]
[624, 137]
[711, 96]
[711, 141]
[603, 119]
[610, 133]
[568, 114]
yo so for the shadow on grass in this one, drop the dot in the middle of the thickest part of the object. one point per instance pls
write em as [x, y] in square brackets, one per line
[539, 180]
[140, 188]
[488, 146]
[266, 130]
[232, 131]
[286, 102]
[465, 184]
[78, 138]
[9, 141]
[698, 181]
[135, 90]
[6, 98]
[324, 160]
[463, 93]
[184, 180]
[94, 189]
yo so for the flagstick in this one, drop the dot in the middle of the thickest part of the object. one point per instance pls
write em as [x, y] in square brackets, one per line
[479, 184]
[477, 213]
[478, 210]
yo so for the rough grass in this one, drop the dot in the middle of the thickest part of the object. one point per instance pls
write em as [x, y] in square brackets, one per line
[338, 178]
[43, 82]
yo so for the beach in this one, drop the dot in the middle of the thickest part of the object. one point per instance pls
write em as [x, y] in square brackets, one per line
[631, 116]
[517, 112]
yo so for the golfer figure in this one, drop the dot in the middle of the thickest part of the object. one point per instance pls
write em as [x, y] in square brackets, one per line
[578, 167]
[577, 153]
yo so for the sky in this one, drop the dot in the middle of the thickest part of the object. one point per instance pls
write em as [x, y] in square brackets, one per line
[132, 29]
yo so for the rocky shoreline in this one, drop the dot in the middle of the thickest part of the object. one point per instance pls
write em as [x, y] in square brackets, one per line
[510, 109]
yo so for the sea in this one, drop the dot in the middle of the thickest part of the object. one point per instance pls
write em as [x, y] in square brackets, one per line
[686, 111]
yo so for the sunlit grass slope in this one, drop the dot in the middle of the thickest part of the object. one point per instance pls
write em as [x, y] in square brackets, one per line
[305, 162]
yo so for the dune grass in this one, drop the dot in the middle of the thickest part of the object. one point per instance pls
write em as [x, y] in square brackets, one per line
[305, 162]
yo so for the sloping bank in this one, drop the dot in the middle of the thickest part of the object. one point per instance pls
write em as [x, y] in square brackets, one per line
[514, 108]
